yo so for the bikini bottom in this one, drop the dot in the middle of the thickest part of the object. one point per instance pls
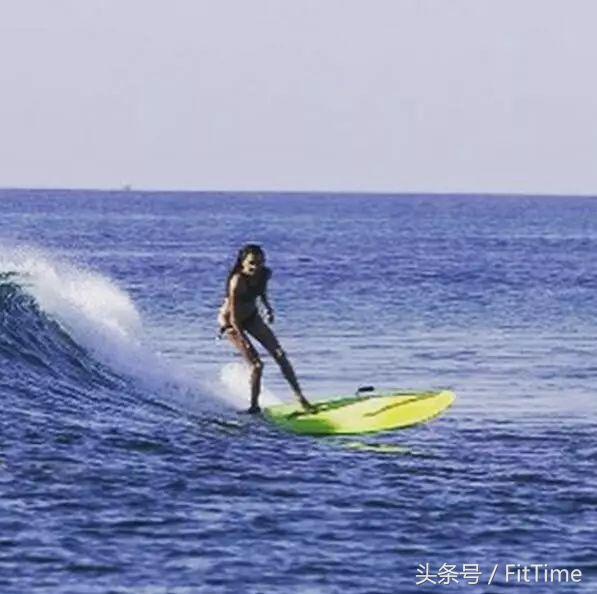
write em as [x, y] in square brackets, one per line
[246, 322]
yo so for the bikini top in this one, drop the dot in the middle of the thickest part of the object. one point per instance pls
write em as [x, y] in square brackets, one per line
[255, 290]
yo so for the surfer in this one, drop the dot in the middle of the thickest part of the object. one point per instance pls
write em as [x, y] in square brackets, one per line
[240, 316]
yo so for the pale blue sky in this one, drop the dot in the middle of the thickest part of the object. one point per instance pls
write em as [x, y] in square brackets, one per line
[336, 95]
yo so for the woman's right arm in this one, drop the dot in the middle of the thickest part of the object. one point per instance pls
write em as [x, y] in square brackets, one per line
[233, 294]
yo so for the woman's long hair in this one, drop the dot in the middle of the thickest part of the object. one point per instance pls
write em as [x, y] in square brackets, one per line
[256, 250]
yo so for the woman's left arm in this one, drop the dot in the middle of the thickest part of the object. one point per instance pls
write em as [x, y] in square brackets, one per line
[268, 308]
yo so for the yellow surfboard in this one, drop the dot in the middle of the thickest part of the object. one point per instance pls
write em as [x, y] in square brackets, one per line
[361, 414]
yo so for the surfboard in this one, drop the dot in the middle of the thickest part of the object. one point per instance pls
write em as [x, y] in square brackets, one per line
[361, 414]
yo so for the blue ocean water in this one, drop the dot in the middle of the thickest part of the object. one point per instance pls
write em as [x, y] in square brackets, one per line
[125, 466]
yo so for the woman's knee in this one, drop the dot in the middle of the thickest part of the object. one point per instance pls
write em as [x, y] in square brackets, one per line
[257, 366]
[279, 355]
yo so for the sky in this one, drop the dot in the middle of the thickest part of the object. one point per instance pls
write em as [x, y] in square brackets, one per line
[472, 96]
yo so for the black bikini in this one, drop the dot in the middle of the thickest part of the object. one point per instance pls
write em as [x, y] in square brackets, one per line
[250, 296]
[246, 322]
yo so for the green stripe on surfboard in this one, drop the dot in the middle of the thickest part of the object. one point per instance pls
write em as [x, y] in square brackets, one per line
[361, 414]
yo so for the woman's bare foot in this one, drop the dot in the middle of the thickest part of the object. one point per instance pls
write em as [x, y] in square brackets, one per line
[306, 404]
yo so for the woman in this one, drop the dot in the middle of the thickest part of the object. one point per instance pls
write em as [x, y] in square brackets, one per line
[239, 316]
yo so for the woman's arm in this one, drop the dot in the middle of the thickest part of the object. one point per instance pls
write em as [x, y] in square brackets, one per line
[233, 293]
[268, 308]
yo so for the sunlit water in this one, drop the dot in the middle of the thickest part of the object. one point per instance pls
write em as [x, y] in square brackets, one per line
[126, 467]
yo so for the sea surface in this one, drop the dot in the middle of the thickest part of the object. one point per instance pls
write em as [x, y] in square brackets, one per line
[127, 466]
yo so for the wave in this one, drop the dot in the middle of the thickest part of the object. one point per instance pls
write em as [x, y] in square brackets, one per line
[68, 322]
[30, 339]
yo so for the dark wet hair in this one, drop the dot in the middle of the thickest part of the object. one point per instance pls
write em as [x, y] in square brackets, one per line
[246, 250]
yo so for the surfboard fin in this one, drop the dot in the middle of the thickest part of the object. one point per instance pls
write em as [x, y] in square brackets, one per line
[364, 389]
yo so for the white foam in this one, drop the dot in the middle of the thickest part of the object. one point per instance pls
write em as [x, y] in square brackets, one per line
[100, 316]
[235, 377]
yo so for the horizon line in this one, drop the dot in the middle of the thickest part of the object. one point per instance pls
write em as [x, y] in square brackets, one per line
[129, 189]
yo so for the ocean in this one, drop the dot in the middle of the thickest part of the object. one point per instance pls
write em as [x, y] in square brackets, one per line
[127, 466]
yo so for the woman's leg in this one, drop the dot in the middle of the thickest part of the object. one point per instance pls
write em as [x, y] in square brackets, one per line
[251, 356]
[263, 333]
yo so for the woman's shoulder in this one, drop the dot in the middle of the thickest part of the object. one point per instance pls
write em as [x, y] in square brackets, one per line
[266, 274]
[236, 279]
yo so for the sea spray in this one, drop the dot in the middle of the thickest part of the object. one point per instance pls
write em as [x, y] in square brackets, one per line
[102, 318]
[236, 381]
